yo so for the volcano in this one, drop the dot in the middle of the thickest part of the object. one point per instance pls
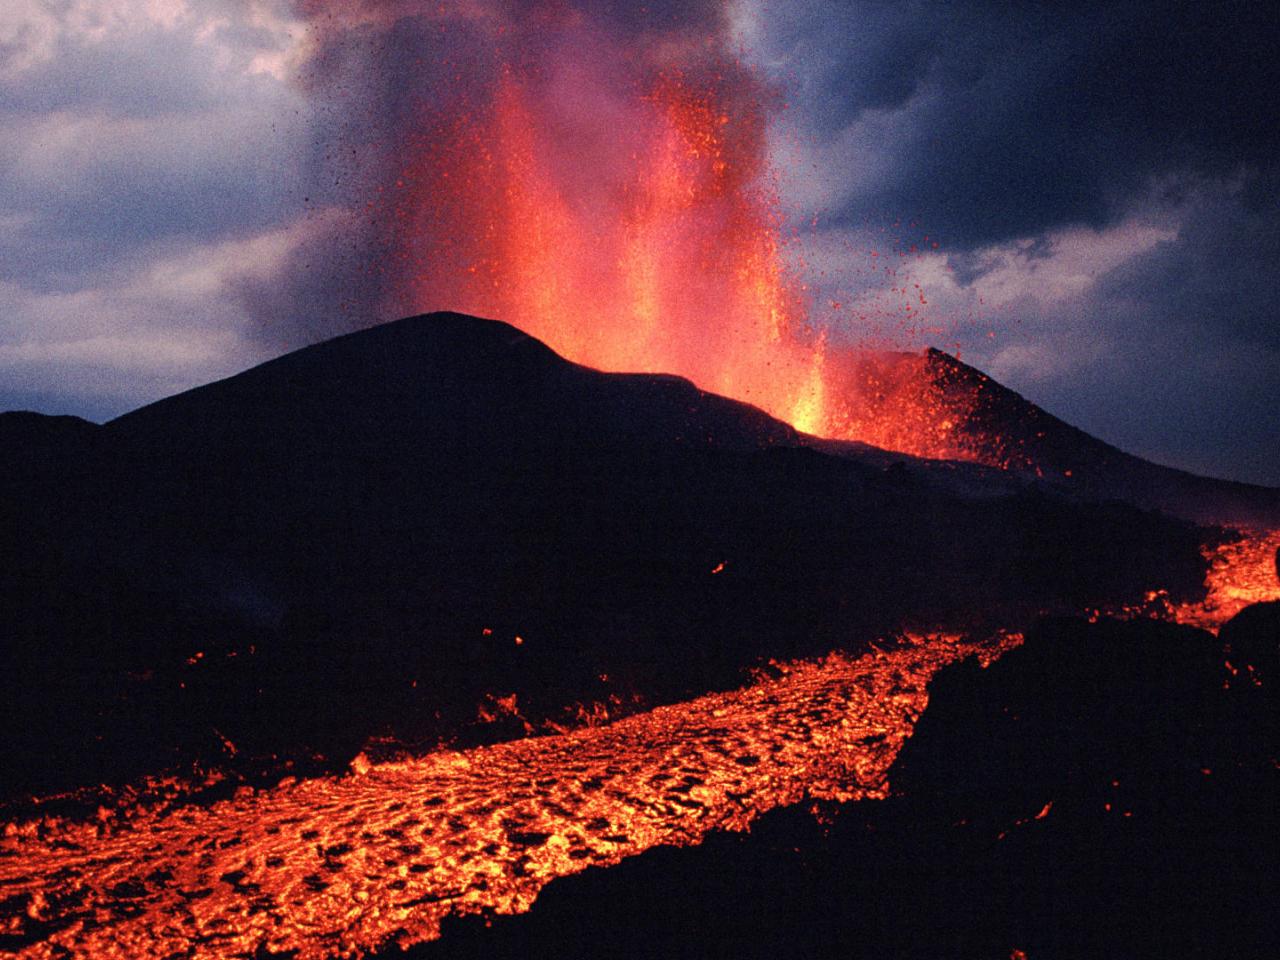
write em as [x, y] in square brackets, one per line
[1017, 435]
[437, 532]
[406, 500]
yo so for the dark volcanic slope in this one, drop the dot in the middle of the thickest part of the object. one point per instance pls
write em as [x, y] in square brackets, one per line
[42, 435]
[350, 539]
[1017, 433]
[446, 379]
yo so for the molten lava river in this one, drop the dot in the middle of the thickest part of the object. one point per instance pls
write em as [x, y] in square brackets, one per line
[339, 866]
[342, 866]
[1241, 572]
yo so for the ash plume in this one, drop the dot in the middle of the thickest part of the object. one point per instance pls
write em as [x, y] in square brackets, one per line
[385, 77]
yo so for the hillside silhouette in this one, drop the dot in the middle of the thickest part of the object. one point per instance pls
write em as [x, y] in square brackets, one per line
[372, 536]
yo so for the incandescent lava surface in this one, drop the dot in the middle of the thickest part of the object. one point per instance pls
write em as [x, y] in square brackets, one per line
[340, 866]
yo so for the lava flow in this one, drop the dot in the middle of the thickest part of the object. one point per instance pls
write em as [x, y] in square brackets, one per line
[341, 866]
[1240, 572]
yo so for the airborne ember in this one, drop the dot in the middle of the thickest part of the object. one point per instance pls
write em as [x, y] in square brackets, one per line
[606, 188]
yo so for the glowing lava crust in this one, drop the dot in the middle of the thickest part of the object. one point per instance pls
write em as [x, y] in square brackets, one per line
[342, 866]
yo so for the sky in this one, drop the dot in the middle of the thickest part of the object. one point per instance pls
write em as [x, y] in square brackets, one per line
[1092, 191]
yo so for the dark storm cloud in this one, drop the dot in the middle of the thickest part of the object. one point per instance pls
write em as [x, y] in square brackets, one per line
[1223, 267]
[1179, 394]
[997, 127]
[1210, 394]
[1173, 352]
[1002, 120]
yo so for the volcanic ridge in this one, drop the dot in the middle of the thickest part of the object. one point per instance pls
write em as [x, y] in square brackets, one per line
[376, 566]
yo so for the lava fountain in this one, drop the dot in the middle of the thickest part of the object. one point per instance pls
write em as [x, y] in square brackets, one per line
[614, 200]
[601, 179]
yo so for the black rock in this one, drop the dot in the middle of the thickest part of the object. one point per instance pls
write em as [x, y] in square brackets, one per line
[1252, 642]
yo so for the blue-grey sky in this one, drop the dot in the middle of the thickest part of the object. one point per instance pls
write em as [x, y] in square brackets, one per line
[183, 189]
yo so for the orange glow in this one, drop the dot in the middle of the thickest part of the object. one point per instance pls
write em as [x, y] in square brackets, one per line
[1240, 573]
[903, 402]
[339, 866]
[634, 228]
